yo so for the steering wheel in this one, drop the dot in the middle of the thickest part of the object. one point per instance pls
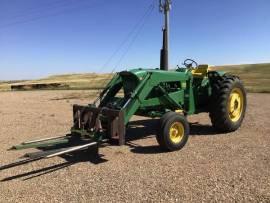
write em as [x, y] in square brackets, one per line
[190, 64]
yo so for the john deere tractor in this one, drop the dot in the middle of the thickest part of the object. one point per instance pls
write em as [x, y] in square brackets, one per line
[170, 95]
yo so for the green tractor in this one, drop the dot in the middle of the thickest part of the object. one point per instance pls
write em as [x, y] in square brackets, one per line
[170, 95]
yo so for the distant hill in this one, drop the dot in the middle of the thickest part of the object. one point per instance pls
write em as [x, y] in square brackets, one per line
[255, 76]
[69, 81]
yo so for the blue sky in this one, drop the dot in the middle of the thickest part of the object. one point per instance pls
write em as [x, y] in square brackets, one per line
[44, 37]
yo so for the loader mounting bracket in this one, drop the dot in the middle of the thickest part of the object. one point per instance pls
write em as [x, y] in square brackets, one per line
[87, 120]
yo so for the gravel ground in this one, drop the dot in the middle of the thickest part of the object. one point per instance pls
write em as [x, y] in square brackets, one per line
[212, 167]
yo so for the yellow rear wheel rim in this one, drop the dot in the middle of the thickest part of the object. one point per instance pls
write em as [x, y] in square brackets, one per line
[177, 132]
[235, 104]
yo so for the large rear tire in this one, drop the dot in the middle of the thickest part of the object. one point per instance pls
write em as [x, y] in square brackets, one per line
[228, 105]
[173, 131]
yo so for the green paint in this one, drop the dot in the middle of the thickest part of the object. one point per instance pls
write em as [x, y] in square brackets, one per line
[151, 92]
[41, 144]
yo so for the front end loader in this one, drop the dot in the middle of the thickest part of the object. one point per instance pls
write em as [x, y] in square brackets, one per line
[170, 95]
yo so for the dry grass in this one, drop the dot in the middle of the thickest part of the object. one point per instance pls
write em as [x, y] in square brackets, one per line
[89, 81]
[255, 76]
[4, 87]
[79, 81]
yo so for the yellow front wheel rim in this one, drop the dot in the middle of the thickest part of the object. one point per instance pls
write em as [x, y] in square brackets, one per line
[177, 132]
[235, 104]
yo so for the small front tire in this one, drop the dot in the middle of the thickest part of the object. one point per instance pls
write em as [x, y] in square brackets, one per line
[173, 131]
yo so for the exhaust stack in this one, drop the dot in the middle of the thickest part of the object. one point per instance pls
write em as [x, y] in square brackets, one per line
[165, 8]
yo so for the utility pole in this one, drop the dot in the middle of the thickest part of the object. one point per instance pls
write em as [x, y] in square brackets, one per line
[165, 7]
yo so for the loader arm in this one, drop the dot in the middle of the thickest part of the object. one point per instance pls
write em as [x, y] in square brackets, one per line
[149, 93]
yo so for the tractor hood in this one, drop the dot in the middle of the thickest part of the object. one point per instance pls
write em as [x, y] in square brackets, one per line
[140, 73]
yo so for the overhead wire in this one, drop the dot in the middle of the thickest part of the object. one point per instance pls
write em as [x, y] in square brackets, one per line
[45, 6]
[130, 33]
[134, 39]
[35, 18]
[136, 31]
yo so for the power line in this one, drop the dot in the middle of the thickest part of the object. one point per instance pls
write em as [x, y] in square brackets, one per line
[132, 31]
[135, 31]
[140, 24]
[43, 7]
[134, 38]
[51, 15]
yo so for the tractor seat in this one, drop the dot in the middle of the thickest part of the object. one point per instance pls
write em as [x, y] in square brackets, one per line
[201, 71]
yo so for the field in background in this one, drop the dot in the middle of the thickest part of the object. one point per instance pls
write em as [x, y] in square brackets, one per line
[255, 76]
[87, 81]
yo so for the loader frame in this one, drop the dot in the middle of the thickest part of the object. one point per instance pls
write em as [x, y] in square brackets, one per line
[149, 93]
[145, 92]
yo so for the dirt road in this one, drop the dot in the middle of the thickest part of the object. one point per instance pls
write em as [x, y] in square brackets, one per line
[211, 167]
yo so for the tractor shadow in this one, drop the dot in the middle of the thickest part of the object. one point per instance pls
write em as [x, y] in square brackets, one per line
[73, 158]
[137, 130]
[143, 129]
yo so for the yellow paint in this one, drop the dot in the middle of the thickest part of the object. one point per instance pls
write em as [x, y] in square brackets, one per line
[235, 104]
[177, 132]
[201, 71]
